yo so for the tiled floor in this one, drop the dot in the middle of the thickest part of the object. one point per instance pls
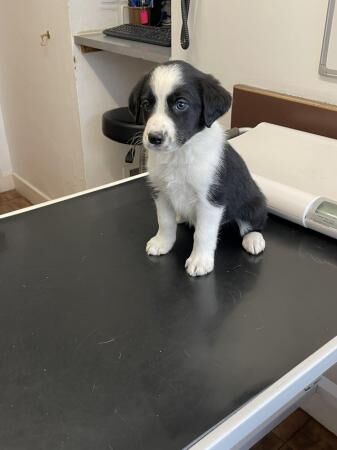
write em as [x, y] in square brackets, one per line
[298, 432]
[11, 201]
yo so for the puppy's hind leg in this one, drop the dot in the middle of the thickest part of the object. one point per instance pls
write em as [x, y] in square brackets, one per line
[253, 242]
[252, 238]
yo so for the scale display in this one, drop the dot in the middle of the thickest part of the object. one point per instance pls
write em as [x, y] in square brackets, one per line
[327, 209]
[322, 217]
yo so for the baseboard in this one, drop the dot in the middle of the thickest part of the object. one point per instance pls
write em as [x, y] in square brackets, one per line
[322, 405]
[6, 183]
[27, 190]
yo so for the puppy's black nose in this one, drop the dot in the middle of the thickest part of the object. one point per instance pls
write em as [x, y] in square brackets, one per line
[156, 138]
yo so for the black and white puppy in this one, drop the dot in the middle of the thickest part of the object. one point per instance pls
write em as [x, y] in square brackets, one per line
[196, 176]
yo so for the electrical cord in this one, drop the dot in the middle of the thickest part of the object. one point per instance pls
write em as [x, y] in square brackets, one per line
[184, 36]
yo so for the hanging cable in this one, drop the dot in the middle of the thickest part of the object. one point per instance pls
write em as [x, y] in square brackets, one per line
[184, 36]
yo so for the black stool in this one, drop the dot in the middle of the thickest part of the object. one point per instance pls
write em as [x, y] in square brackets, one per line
[120, 126]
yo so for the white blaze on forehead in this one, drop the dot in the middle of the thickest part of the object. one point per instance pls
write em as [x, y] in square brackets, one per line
[164, 80]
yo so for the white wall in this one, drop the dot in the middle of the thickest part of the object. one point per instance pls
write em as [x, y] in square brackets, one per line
[270, 44]
[38, 98]
[6, 181]
[104, 81]
[89, 15]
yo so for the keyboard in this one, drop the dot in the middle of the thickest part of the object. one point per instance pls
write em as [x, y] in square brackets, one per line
[142, 33]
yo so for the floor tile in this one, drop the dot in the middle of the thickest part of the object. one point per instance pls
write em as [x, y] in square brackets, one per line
[286, 429]
[11, 201]
[312, 436]
[269, 442]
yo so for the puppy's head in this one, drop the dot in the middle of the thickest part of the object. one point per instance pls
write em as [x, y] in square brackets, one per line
[175, 101]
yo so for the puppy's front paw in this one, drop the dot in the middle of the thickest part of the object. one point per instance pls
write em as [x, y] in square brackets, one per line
[198, 265]
[158, 246]
[253, 243]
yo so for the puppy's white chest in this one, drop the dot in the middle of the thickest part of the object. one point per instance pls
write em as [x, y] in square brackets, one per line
[178, 183]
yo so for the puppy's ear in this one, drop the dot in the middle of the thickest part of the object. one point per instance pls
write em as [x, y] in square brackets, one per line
[135, 98]
[216, 101]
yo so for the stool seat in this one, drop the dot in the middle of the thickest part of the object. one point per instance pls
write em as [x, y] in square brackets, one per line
[120, 126]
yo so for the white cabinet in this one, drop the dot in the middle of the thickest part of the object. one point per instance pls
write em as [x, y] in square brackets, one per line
[38, 98]
[53, 96]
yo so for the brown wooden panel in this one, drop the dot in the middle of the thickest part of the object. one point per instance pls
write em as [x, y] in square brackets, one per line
[252, 106]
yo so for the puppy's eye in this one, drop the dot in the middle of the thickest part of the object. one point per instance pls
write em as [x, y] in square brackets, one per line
[181, 104]
[146, 105]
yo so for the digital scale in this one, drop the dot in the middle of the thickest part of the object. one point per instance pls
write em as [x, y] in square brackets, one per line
[296, 171]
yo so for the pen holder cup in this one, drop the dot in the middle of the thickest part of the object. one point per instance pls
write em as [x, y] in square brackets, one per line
[139, 15]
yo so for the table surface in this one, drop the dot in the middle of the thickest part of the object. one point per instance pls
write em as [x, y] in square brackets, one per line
[103, 347]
